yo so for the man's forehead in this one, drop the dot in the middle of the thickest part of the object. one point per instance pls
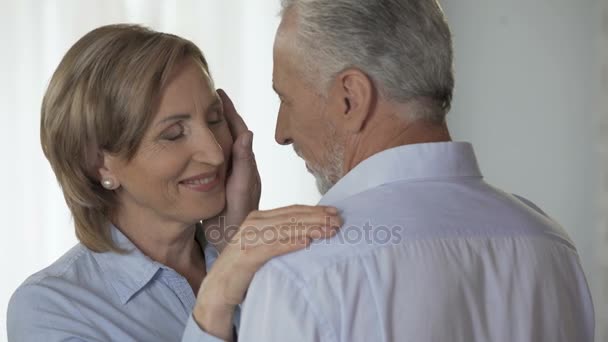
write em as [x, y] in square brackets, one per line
[284, 49]
[278, 76]
[284, 69]
[283, 40]
[282, 54]
[289, 20]
[286, 32]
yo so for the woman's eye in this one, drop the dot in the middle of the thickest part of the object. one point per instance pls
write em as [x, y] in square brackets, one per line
[174, 133]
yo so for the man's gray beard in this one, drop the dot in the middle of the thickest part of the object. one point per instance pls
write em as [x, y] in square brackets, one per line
[327, 177]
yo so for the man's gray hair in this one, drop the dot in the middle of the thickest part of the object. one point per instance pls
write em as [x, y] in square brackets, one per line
[404, 46]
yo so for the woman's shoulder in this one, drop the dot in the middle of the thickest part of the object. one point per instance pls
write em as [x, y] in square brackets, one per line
[66, 267]
[49, 298]
[75, 271]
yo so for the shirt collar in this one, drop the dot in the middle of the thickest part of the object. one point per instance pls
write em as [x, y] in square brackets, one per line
[439, 160]
[129, 273]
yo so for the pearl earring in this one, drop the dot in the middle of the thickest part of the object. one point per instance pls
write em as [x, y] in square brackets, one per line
[107, 183]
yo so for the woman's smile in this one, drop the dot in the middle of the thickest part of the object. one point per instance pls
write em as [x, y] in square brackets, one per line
[202, 183]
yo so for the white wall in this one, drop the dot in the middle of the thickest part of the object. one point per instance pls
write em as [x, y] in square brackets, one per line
[527, 80]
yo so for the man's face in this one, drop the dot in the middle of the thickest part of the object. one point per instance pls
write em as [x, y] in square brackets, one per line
[302, 119]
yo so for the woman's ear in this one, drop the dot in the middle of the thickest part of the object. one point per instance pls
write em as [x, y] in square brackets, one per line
[105, 167]
[357, 93]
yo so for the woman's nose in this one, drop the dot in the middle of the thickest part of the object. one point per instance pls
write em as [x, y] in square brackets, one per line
[207, 150]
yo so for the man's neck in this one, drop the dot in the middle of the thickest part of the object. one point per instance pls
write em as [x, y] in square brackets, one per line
[383, 132]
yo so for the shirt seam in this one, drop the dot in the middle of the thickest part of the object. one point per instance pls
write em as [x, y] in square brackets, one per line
[39, 278]
[442, 179]
[301, 285]
[374, 297]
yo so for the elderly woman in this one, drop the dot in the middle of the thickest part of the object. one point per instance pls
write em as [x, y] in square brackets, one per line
[145, 149]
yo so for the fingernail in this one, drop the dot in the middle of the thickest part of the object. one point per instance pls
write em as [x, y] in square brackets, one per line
[247, 140]
[331, 210]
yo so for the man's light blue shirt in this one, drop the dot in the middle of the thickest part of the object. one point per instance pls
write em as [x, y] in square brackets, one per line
[428, 252]
[88, 296]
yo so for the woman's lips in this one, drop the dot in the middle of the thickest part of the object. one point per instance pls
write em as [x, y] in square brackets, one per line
[202, 183]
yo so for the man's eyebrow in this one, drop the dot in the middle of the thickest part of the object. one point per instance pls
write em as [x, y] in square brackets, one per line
[276, 90]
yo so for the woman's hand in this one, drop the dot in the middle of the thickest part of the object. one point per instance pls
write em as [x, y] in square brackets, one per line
[262, 236]
[243, 185]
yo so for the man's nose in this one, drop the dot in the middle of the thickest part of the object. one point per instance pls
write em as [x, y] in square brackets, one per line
[208, 150]
[281, 134]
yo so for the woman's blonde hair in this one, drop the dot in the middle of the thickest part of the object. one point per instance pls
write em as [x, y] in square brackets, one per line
[102, 98]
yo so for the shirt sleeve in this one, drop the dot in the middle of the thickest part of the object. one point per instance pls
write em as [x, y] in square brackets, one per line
[194, 333]
[36, 313]
[278, 308]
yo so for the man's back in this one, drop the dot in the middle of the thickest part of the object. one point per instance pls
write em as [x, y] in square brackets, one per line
[428, 252]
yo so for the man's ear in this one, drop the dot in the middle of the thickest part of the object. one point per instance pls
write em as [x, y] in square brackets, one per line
[357, 95]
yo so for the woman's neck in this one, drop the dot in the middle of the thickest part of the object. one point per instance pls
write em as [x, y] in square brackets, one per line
[172, 244]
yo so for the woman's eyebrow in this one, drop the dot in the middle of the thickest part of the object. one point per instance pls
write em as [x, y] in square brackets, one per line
[215, 104]
[174, 117]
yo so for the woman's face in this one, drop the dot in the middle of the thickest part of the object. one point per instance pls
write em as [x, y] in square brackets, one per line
[178, 173]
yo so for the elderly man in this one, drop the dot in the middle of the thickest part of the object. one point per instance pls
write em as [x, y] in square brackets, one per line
[429, 251]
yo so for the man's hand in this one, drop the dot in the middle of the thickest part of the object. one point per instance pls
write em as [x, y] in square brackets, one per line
[243, 184]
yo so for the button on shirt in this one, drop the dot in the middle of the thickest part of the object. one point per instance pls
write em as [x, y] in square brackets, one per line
[428, 252]
[88, 296]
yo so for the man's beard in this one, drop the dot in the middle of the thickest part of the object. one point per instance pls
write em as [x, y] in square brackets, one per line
[328, 175]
